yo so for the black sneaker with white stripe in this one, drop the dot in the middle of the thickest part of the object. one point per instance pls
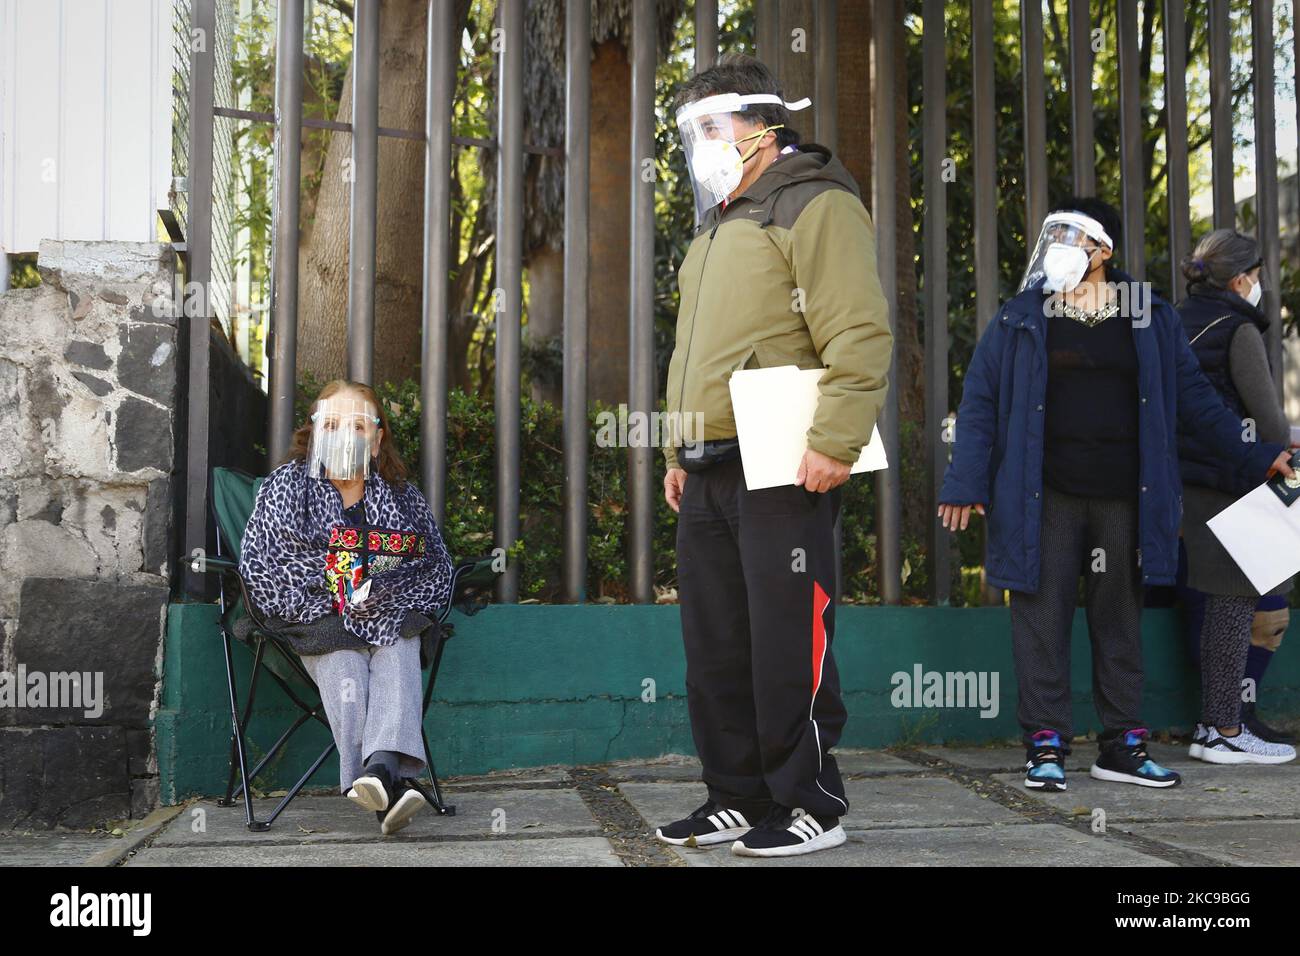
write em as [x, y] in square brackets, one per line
[406, 804]
[786, 832]
[709, 824]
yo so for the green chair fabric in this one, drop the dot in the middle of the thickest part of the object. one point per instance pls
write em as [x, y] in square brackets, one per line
[233, 495]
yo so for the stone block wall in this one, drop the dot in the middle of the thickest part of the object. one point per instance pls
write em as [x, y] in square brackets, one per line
[88, 393]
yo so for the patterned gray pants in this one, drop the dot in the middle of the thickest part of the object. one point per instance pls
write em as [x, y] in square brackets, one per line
[1225, 642]
[1095, 537]
[372, 699]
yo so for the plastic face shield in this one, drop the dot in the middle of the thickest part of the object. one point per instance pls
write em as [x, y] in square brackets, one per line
[1062, 232]
[716, 145]
[344, 438]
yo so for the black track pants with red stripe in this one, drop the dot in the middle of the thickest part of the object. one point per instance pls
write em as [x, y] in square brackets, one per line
[756, 584]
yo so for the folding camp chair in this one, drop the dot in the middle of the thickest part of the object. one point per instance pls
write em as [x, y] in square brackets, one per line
[233, 495]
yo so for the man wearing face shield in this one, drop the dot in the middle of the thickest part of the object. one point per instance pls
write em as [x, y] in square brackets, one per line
[781, 271]
[1067, 440]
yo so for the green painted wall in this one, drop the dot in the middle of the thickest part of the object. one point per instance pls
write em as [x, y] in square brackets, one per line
[528, 685]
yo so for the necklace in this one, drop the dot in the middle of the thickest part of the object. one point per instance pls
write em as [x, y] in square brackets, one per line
[1089, 318]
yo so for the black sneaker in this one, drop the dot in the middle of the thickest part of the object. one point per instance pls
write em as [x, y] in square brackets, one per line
[1125, 760]
[711, 823]
[406, 805]
[1263, 731]
[786, 832]
[1045, 763]
[373, 789]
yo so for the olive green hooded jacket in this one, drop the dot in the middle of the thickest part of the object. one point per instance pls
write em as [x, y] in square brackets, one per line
[785, 274]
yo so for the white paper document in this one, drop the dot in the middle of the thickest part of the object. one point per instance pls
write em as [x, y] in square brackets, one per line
[1262, 535]
[774, 408]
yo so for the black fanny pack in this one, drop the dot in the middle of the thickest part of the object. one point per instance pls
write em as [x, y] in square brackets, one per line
[698, 456]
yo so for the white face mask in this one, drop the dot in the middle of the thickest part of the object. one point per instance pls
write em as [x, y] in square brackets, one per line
[717, 165]
[1256, 293]
[1064, 266]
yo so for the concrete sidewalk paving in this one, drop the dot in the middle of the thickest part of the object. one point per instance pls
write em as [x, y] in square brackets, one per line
[931, 806]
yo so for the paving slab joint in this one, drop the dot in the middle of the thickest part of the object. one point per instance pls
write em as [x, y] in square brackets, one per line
[983, 783]
[631, 836]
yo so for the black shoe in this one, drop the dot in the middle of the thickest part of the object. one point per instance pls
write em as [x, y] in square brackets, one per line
[1263, 731]
[1045, 763]
[711, 823]
[373, 789]
[406, 805]
[786, 832]
[1124, 760]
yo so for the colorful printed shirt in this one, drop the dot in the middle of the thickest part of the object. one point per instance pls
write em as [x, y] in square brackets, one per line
[285, 547]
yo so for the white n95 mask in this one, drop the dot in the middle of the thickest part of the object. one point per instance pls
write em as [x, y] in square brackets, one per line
[1064, 266]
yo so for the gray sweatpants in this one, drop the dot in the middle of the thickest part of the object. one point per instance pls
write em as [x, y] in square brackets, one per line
[1095, 537]
[372, 699]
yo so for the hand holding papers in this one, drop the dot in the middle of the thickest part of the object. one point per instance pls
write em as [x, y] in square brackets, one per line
[1262, 531]
[774, 408]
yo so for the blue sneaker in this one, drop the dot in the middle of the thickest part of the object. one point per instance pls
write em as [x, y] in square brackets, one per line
[1125, 760]
[1045, 767]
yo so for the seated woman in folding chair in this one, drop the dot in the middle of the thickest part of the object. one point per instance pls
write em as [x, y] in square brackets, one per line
[344, 559]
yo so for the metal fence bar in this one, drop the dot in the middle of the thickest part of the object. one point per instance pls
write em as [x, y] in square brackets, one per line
[365, 187]
[198, 301]
[282, 337]
[1178, 188]
[1130, 142]
[441, 45]
[706, 34]
[825, 131]
[1035, 107]
[825, 84]
[1225, 212]
[577, 172]
[1267, 227]
[933, 152]
[985, 161]
[641, 342]
[509, 267]
[1081, 142]
[889, 517]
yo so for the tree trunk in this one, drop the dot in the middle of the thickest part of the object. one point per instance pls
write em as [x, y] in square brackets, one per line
[324, 255]
[546, 317]
[853, 92]
[910, 374]
[609, 230]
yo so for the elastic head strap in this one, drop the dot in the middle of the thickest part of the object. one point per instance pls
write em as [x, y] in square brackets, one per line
[734, 103]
